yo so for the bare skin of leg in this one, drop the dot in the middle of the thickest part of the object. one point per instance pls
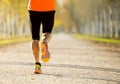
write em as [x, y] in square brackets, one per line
[36, 49]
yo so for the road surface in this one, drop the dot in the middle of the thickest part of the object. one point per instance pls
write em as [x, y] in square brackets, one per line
[72, 62]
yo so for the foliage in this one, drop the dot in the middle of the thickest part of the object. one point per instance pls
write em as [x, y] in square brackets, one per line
[94, 17]
[14, 18]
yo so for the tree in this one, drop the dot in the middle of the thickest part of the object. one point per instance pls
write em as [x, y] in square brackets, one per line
[94, 17]
[14, 18]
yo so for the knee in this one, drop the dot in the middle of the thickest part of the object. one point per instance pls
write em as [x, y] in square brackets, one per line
[46, 37]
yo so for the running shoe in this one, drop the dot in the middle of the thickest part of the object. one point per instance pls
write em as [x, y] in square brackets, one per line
[45, 53]
[38, 68]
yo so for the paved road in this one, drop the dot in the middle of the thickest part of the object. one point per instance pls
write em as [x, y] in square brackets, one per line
[72, 62]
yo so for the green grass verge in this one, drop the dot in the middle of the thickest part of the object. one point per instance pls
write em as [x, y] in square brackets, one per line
[97, 39]
[14, 40]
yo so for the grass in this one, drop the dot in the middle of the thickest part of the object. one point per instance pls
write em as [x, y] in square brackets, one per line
[97, 39]
[14, 40]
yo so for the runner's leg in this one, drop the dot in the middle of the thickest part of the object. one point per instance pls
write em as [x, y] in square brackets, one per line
[35, 30]
[48, 23]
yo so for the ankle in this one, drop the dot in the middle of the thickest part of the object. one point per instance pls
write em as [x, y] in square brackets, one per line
[38, 63]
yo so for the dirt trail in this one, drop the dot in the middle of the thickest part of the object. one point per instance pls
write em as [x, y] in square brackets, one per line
[72, 62]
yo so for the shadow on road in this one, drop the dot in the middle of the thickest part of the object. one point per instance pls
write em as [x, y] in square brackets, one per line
[83, 67]
[64, 65]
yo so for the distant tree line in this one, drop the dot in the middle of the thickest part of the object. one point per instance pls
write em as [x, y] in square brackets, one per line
[93, 17]
[13, 18]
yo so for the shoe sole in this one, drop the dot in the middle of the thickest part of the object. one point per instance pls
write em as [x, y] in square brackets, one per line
[38, 72]
[45, 54]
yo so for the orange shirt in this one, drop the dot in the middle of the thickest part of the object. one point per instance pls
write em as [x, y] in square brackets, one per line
[41, 5]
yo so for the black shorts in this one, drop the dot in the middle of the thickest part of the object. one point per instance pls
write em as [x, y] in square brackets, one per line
[38, 18]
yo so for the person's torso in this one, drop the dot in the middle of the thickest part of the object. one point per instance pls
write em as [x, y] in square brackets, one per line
[41, 5]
